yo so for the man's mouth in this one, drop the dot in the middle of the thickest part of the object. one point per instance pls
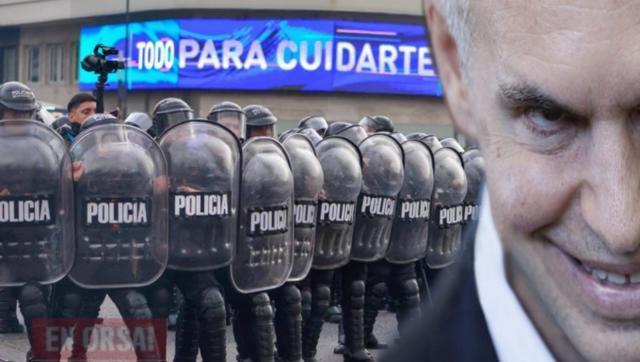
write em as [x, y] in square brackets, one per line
[610, 277]
[609, 290]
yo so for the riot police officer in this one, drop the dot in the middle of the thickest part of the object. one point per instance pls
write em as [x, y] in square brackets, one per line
[382, 179]
[231, 116]
[396, 274]
[341, 162]
[201, 322]
[316, 123]
[374, 124]
[309, 179]
[253, 324]
[260, 122]
[74, 297]
[17, 101]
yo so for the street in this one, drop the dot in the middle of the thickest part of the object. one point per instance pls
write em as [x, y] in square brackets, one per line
[13, 347]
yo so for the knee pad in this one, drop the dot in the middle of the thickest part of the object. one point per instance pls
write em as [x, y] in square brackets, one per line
[378, 290]
[262, 306]
[410, 292]
[68, 304]
[212, 306]
[291, 295]
[135, 305]
[32, 300]
[322, 293]
[357, 289]
[160, 302]
[7, 299]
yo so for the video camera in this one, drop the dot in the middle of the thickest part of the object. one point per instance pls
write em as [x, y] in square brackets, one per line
[98, 63]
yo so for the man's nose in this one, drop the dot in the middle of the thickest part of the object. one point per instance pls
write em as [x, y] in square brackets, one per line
[611, 203]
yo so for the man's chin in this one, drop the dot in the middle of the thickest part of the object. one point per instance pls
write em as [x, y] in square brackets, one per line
[610, 292]
[574, 310]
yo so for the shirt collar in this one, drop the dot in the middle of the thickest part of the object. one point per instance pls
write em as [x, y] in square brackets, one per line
[513, 334]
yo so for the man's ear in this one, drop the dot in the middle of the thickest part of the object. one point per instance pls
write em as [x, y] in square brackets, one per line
[447, 59]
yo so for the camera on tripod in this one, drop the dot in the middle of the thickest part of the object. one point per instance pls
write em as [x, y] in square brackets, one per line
[98, 63]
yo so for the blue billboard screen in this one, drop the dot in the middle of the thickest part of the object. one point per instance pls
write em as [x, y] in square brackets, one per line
[313, 55]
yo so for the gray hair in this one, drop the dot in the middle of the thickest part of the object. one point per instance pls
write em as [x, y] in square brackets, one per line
[456, 14]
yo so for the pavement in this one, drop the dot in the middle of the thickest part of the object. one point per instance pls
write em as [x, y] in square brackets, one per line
[13, 347]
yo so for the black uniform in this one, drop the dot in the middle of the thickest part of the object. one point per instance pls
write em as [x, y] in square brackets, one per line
[33, 249]
[342, 166]
[248, 282]
[382, 180]
[94, 276]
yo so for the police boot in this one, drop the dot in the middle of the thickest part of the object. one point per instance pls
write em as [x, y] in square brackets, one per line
[8, 319]
[305, 294]
[373, 302]
[263, 328]
[174, 306]
[33, 306]
[242, 332]
[135, 311]
[409, 308]
[340, 348]
[212, 317]
[353, 320]
[159, 300]
[334, 314]
[88, 314]
[313, 327]
[187, 334]
[31, 358]
[288, 323]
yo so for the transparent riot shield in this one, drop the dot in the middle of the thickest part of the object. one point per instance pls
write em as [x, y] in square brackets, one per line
[410, 230]
[474, 168]
[308, 181]
[383, 174]
[264, 252]
[36, 204]
[342, 167]
[204, 160]
[447, 209]
[120, 178]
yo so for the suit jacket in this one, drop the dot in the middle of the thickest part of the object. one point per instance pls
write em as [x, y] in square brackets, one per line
[453, 326]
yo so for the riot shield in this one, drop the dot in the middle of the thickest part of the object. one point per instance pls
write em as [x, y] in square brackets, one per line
[410, 230]
[354, 133]
[308, 181]
[204, 161]
[264, 252]
[447, 208]
[342, 168]
[36, 207]
[474, 168]
[383, 174]
[120, 179]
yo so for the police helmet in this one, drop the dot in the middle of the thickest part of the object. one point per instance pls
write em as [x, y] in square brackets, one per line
[317, 123]
[168, 112]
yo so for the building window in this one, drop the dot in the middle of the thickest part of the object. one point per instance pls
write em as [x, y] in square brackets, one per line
[8, 64]
[33, 64]
[73, 57]
[56, 63]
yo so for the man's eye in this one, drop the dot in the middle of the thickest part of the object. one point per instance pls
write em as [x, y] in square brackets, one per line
[545, 122]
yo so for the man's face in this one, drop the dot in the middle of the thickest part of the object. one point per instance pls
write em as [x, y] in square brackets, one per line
[233, 124]
[260, 131]
[553, 97]
[11, 114]
[82, 111]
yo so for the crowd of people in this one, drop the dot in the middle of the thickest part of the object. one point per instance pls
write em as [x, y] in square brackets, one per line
[273, 233]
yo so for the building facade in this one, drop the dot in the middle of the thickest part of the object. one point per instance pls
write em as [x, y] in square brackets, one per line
[39, 45]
